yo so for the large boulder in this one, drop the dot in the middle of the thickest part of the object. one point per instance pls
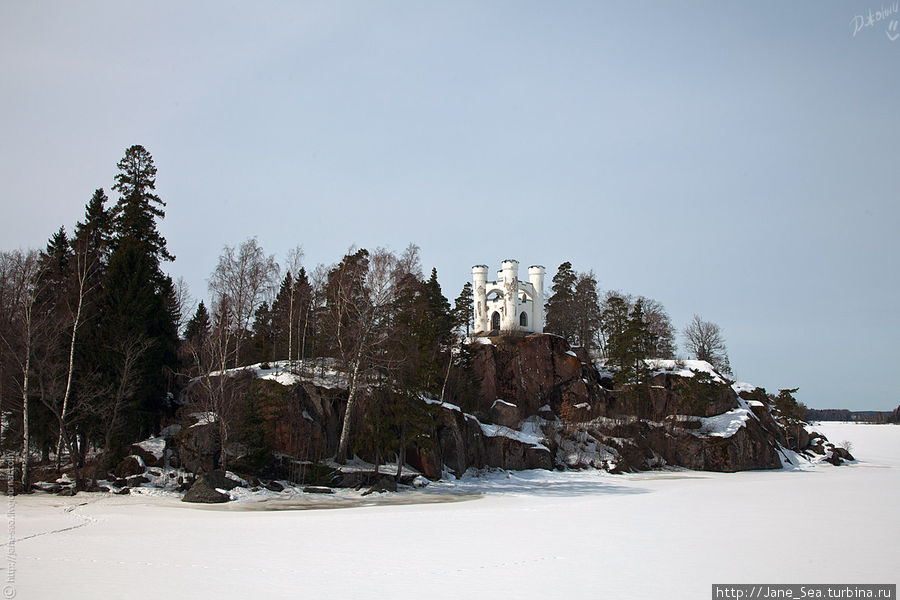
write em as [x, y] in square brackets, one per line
[197, 446]
[205, 489]
[130, 465]
[151, 451]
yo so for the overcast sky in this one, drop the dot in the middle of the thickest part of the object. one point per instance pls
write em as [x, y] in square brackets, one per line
[738, 161]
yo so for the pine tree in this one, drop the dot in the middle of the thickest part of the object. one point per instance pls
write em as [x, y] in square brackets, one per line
[560, 306]
[462, 309]
[628, 346]
[586, 310]
[432, 332]
[614, 323]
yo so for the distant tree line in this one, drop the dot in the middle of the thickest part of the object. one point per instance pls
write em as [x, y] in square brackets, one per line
[861, 416]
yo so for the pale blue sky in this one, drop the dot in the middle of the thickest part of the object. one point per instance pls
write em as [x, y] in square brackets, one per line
[734, 160]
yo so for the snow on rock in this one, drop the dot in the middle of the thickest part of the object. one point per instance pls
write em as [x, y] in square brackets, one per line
[530, 438]
[234, 477]
[155, 446]
[503, 402]
[724, 425]
[446, 405]
[322, 372]
[203, 418]
[683, 368]
[284, 378]
[742, 386]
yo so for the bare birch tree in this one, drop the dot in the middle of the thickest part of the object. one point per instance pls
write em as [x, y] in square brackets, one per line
[24, 324]
[245, 278]
[86, 268]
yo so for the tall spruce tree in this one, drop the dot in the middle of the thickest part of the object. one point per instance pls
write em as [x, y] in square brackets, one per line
[139, 306]
[138, 207]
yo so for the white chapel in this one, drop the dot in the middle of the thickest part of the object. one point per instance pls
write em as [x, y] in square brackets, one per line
[508, 304]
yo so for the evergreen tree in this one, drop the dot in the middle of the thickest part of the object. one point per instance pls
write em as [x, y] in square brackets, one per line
[586, 311]
[93, 236]
[263, 340]
[628, 346]
[560, 306]
[463, 309]
[284, 316]
[138, 207]
[198, 327]
[614, 324]
[304, 314]
[433, 331]
[139, 309]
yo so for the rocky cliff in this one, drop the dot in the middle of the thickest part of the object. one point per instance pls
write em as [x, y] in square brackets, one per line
[539, 404]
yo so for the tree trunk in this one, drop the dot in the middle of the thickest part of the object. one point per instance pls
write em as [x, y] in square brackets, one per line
[446, 375]
[344, 443]
[65, 404]
[401, 454]
[291, 327]
[223, 441]
[302, 350]
[25, 439]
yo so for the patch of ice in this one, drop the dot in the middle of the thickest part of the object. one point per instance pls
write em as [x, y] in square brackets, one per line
[498, 400]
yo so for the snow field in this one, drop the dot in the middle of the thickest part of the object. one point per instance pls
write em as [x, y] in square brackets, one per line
[532, 534]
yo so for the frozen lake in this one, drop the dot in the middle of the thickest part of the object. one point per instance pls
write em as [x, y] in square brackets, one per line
[533, 534]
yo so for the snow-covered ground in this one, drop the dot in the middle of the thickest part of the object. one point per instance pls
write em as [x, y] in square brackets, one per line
[532, 534]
